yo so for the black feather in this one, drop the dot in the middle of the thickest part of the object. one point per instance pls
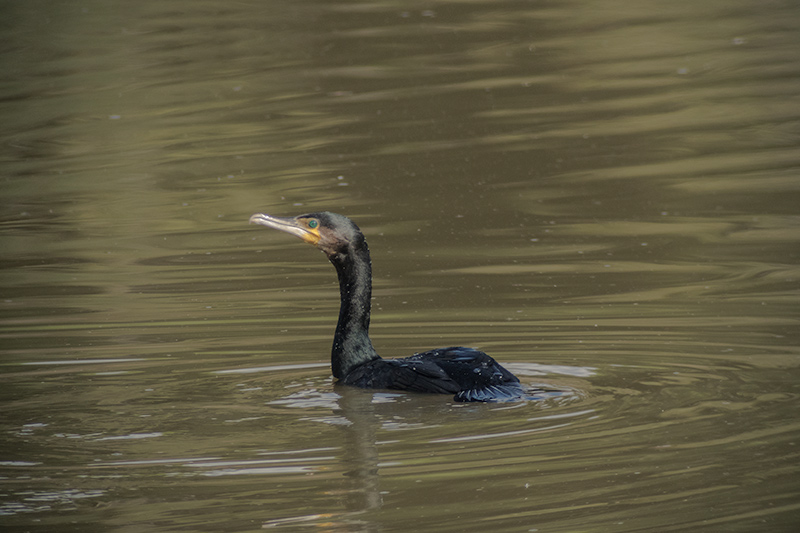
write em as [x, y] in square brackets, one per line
[469, 374]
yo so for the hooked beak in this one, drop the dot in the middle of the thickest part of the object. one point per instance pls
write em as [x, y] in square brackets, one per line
[290, 225]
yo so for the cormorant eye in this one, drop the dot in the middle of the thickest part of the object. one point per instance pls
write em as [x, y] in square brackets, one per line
[313, 223]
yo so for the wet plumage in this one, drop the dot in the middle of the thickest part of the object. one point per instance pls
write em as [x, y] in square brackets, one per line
[468, 374]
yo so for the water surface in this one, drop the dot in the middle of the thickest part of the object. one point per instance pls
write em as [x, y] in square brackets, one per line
[603, 196]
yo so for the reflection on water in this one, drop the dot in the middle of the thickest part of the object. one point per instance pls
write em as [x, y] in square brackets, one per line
[604, 198]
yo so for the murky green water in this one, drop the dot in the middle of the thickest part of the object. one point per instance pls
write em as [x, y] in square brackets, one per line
[603, 196]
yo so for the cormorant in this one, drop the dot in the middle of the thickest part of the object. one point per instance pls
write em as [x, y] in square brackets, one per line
[469, 374]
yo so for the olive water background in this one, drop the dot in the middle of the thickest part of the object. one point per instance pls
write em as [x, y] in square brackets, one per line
[602, 195]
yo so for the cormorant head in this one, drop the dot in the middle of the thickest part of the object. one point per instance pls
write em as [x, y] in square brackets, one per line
[331, 233]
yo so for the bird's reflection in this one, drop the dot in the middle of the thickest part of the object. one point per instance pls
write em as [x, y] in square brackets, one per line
[362, 416]
[360, 455]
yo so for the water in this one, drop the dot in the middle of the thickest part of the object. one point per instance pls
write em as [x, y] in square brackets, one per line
[602, 196]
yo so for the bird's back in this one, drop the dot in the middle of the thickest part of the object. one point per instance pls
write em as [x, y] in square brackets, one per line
[469, 374]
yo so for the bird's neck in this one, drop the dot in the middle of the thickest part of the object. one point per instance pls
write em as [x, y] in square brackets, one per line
[351, 344]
